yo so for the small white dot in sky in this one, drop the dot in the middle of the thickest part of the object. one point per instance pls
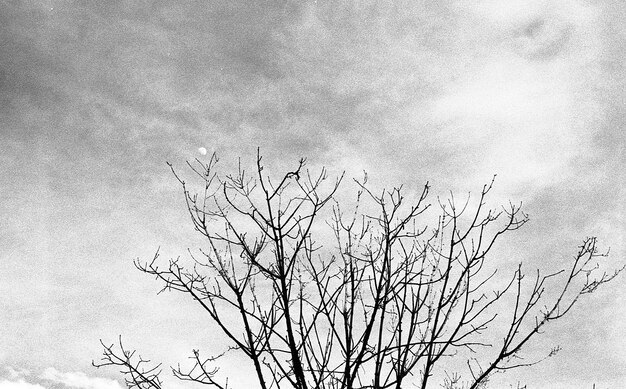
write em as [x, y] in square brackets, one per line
[202, 150]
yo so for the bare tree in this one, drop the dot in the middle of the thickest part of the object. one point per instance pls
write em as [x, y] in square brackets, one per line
[138, 371]
[394, 304]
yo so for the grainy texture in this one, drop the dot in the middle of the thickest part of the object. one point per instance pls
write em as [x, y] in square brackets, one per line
[96, 96]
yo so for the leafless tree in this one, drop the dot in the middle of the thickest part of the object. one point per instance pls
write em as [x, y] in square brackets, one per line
[139, 373]
[390, 306]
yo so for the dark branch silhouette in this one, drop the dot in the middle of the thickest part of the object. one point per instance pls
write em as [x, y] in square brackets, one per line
[138, 372]
[391, 306]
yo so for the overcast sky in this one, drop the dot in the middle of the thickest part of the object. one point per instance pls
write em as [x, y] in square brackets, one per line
[95, 97]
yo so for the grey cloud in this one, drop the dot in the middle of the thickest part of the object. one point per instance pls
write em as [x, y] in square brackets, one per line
[97, 95]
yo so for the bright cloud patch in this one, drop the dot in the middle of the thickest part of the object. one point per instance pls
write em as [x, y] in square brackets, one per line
[22, 379]
[15, 379]
[528, 105]
[16, 373]
[19, 384]
[79, 380]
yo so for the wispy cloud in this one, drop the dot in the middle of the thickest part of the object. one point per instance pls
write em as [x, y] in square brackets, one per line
[19, 378]
[16, 373]
[78, 380]
[94, 98]
[18, 384]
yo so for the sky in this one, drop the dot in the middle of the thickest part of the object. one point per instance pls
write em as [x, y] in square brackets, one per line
[96, 96]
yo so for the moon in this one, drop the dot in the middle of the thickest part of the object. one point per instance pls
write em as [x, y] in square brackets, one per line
[202, 150]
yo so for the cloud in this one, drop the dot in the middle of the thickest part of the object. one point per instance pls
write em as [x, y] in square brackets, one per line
[79, 380]
[19, 378]
[447, 91]
[19, 384]
[16, 373]
[15, 379]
